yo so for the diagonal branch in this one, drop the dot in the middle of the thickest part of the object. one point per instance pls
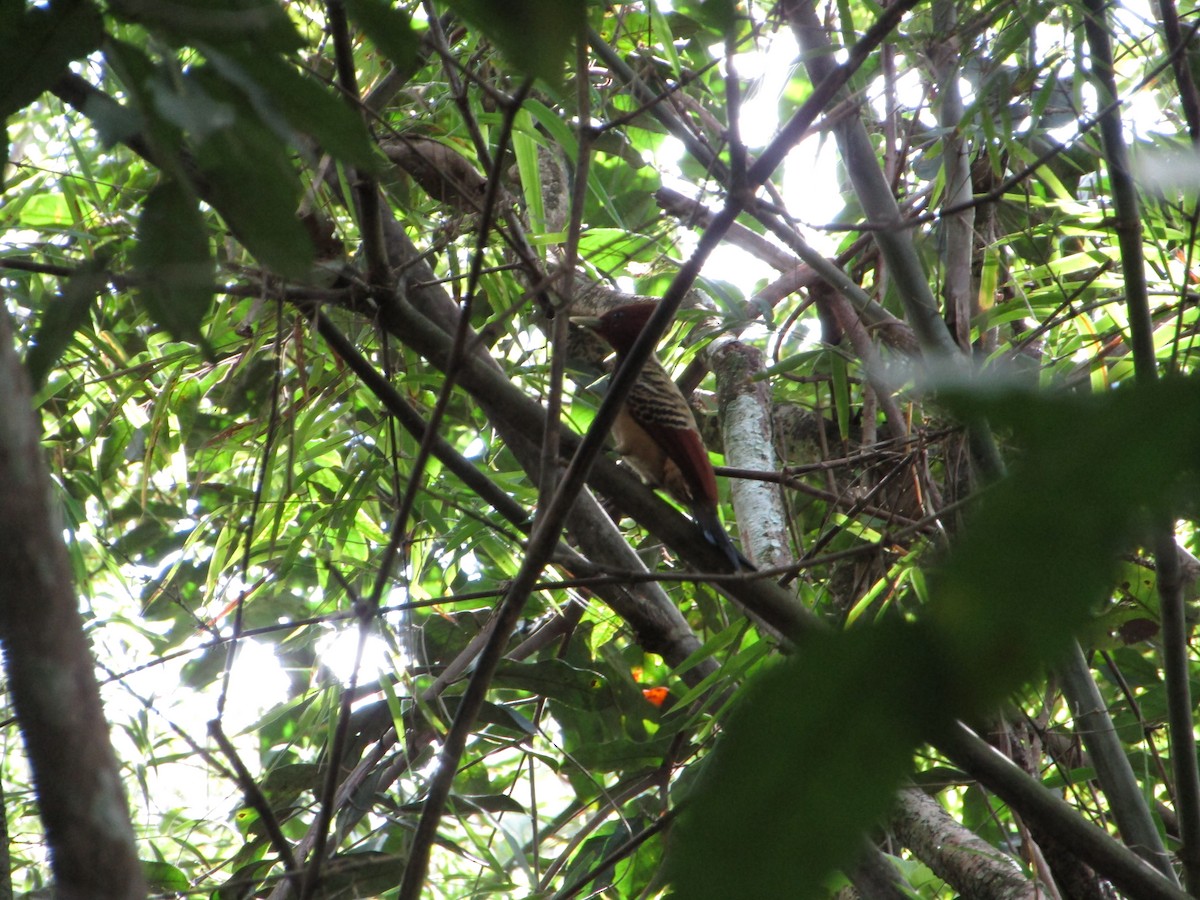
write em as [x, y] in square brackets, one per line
[553, 517]
[1176, 665]
[1112, 859]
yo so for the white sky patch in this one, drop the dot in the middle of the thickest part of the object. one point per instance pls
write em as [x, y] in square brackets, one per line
[731, 263]
[1143, 116]
[966, 91]
[910, 91]
[810, 185]
[666, 160]
[1069, 132]
[257, 683]
[812, 189]
[186, 785]
[339, 649]
[767, 74]
[1135, 15]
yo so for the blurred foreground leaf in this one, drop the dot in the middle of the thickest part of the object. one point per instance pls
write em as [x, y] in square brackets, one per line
[811, 758]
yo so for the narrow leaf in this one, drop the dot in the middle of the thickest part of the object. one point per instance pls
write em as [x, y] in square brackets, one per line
[389, 28]
[841, 393]
[63, 317]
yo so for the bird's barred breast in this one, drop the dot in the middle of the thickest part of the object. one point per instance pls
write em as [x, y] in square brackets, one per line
[655, 399]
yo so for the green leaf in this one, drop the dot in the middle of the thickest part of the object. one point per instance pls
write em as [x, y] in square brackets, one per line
[557, 680]
[284, 783]
[622, 754]
[264, 24]
[1093, 473]
[162, 877]
[613, 247]
[471, 804]
[525, 148]
[366, 873]
[64, 316]
[559, 133]
[1025, 576]
[148, 88]
[841, 392]
[274, 87]
[240, 151]
[719, 15]
[39, 44]
[824, 783]
[190, 108]
[255, 189]
[389, 28]
[535, 35]
[661, 35]
[235, 887]
[173, 261]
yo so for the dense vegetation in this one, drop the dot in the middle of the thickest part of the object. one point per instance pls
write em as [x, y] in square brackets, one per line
[306, 505]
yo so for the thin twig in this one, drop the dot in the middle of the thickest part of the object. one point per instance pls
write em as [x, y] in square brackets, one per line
[256, 800]
[550, 524]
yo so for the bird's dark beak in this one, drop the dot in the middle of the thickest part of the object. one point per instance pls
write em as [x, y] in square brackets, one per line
[585, 321]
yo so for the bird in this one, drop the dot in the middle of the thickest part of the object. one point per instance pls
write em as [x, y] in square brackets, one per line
[655, 431]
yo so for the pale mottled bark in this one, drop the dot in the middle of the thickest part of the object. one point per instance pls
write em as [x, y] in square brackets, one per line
[972, 866]
[746, 432]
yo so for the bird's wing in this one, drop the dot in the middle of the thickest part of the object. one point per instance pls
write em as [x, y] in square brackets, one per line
[658, 406]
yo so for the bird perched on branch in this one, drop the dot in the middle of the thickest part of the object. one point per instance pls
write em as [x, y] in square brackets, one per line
[655, 431]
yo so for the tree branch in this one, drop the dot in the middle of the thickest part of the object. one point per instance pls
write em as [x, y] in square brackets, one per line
[1116, 862]
[973, 867]
[50, 669]
[1175, 631]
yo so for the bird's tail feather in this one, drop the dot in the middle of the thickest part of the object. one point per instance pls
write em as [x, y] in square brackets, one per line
[715, 534]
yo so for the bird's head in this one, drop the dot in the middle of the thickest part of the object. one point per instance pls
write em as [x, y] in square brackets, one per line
[620, 326]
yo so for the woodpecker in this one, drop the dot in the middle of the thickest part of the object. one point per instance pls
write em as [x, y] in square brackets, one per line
[655, 431]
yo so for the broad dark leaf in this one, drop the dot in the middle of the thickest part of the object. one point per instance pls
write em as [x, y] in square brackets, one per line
[162, 877]
[264, 24]
[274, 86]
[535, 35]
[811, 757]
[173, 261]
[254, 187]
[809, 760]
[363, 874]
[39, 43]
[719, 15]
[388, 27]
[556, 679]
